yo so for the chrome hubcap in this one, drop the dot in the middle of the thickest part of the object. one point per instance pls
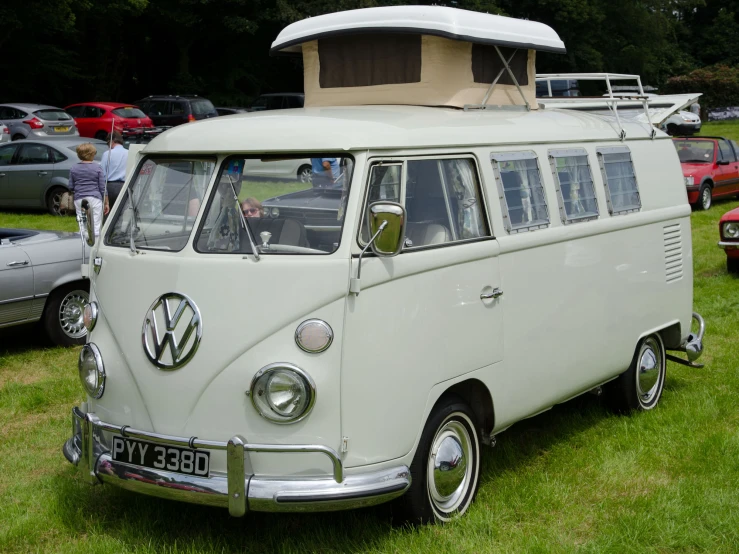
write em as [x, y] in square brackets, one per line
[70, 314]
[706, 198]
[305, 175]
[448, 473]
[650, 369]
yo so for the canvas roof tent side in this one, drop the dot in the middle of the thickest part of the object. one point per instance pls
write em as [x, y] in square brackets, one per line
[417, 55]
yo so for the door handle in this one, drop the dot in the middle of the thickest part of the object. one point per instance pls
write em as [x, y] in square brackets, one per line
[15, 264]
[495, 293]
[42, 173]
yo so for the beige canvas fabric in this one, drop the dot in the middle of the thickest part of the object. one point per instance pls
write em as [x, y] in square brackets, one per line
[446, 80]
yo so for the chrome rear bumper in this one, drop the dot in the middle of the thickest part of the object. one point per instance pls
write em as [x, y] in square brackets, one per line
[238, 489]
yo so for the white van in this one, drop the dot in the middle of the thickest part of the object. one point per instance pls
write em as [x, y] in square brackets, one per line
[468, 260]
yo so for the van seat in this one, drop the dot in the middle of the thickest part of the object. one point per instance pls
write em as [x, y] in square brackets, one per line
[425, 234]
[289, 232]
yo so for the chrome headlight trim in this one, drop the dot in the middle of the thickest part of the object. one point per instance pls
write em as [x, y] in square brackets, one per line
[734, 233]
[323, 325]
[97, 392]
[262, 406]
[90, 315]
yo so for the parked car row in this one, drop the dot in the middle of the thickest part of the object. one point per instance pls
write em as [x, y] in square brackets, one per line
[710, 166]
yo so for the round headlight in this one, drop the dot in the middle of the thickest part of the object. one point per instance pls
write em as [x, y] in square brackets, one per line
[275, 212]
[731, 230]
[282, 393]
[92, 372]
[90, 316]
[314, 335]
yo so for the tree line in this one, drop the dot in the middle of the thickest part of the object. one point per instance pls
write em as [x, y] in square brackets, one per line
[64, 51]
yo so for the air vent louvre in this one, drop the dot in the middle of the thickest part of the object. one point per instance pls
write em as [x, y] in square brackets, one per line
[673, 242]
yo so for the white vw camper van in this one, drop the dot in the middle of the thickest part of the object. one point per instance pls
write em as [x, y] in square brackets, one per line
[461, 259]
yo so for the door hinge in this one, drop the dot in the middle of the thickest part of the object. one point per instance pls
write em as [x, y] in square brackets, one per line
[344, 445]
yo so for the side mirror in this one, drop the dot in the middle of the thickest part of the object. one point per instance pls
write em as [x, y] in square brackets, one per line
[390, 241]
[722, 162]
[89, 222]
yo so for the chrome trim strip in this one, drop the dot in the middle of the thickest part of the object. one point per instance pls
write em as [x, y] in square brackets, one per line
[21, 299]
[728, 245]
[256, 493]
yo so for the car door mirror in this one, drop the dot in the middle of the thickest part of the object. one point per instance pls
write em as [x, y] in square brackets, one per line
[722, 162]
[89, 218]
[389, 242]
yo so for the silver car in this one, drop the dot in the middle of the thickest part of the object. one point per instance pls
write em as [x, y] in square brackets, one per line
[37, 121]
[35, 174]
[4, 133]
[40, 279]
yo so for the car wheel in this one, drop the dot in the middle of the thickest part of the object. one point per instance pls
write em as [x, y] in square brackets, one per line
[54, 200]
[640, 387]
[305, 172]
[671, 129]
[101, 135]
[445, 469]
[63, 315]
[732, 265]
[705, 197]
[18, 137]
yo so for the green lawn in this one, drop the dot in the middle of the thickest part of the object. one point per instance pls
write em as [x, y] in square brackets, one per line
[575, 479]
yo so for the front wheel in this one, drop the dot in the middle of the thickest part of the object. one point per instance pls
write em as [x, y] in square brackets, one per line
[705, 197]
[446, 467]
[63, 315]
[305, 173]
[54, 200]
[640, 387]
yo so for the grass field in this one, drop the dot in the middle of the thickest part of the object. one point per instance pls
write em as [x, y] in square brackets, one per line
[575, 479]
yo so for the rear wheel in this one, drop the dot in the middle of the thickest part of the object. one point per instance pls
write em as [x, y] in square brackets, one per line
[101, 135]
[705, 197]
[446, 467]
[305, 173]
[63, 315]
[671, 129]
[54, 200]
[18, 137]
[640, 387]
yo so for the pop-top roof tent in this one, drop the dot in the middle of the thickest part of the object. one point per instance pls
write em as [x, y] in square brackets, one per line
[419, 55]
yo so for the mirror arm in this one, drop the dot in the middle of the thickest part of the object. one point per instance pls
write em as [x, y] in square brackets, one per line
[354, 282]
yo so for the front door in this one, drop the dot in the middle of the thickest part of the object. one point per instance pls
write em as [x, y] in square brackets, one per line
[424, 316]
[7, 156]
[728, 181]
[16, 284]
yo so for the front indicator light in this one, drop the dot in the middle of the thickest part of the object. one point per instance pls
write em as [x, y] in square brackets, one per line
[282, 393]
[731, 230]
[90, 316]
[689, 181]
[92, 372]
[314, 335]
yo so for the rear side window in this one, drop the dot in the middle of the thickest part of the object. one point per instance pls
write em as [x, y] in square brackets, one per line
[622, 190]
[130, 113]
[177, 108]
[441, 197]
[75, 111]
[521, 192]
[574, 180]
[52, 115]
[727, 153]
[202, 107]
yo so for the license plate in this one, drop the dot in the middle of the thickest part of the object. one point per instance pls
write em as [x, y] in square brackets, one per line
[155, 456]
[61, 129]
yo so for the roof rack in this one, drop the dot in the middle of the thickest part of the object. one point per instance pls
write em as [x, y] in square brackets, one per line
[610, 101]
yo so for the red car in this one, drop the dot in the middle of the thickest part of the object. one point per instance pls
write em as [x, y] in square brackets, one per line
[710, 166]
[728, 229]
[95, 119]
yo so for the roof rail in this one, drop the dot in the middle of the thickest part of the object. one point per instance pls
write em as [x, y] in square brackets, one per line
[610, 101]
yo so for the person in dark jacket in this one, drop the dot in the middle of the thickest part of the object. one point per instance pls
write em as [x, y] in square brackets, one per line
[87, 182]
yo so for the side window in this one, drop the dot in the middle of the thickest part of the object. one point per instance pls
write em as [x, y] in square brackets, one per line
[177, 108]
[91, 111]
[726, 152]
[622, 190]
[57, 156]
[159, 107]
[521, 192]
[441, 197]
[34, 154]
[75, 111]
[6, 154]
[574, 181]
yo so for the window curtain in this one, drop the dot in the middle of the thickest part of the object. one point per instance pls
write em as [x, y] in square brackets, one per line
[621, 182]
[462, 181]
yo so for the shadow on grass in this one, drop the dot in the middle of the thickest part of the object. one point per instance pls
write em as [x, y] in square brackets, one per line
[22, 338]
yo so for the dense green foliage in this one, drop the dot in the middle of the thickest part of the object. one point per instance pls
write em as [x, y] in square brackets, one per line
[719, 84]
[62, 51]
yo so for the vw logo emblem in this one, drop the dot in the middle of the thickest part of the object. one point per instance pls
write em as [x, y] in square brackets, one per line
[180, 330]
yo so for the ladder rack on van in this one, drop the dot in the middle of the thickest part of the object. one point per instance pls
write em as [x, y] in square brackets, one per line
[610, 101]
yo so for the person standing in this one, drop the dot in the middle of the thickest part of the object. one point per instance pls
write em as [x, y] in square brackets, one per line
[114, 163]
[326, 172]
[87, 182]
[695, 107]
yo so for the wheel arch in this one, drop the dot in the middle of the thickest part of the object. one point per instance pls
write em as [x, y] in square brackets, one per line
[67, 279]
[671, 335]
[707, 180]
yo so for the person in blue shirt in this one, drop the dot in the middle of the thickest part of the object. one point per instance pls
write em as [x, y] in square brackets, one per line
[114, 163]
[326, 172]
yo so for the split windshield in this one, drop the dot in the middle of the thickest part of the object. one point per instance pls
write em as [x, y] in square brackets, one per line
[290, 205]
[694, 151]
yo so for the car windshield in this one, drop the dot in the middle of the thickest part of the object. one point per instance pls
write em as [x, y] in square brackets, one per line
[694, 151]
[202, 107]
[167, 195]
[291, 205]
[129, 113]
[53, 115]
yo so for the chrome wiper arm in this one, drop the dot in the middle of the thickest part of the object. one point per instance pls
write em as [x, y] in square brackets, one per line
[252, 241]
[133, 223]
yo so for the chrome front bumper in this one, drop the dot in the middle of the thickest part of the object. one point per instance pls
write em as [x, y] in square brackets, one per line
[238, 489]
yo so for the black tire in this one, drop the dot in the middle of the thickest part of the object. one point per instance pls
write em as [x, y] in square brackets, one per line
[640, 387]
[101, 135]
[62, 317]
[705, 197]
[732, 265]
[305, 173]
[452, 431]
[18, 137]
[671, 129]
[54, 200]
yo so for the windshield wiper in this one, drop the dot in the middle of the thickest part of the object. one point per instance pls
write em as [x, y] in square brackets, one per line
[252, 242]
[133, 223]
